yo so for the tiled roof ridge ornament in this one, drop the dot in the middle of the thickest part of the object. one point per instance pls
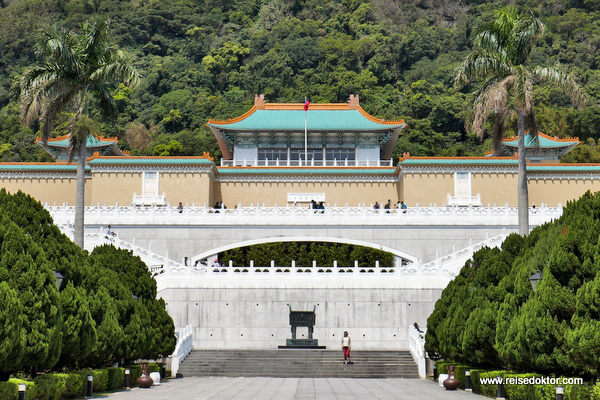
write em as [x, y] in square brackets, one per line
[354, 102]
[259, 101]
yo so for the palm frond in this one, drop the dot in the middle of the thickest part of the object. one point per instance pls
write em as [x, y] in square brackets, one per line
[106, 103]
[528, 31]
[479, 65]
[563, 81]
[492, 101]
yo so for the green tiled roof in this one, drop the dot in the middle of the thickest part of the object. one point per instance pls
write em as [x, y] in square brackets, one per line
[459, 161]
[150, 161]
[45, 167]
[564, 168]
[307, 170]
[91, 142]
[544, 142]
[317, 120]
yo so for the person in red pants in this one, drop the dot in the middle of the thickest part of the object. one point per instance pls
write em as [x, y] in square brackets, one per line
[346, 346]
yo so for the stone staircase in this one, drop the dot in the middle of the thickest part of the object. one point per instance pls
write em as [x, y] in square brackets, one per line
[299, 364]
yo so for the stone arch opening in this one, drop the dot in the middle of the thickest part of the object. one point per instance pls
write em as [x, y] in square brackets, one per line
[401, 258]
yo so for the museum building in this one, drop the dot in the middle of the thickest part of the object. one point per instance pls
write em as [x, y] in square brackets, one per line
[290, 154]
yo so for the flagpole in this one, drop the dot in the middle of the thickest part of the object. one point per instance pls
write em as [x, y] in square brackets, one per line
[305, 141]
[305, 135]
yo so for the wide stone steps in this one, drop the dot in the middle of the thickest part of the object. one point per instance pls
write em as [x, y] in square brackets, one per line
[299, 364]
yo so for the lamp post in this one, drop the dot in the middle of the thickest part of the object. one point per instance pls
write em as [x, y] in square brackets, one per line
[22, 389]
[59, 279]
[534, 279]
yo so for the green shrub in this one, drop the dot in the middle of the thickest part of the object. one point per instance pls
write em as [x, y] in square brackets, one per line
[521, 392]
[116, 378]
[582, 392]
[475, 379]
[47, 387]
[8, 391]
[100, 380]
[135, 372]
[153, 368]
[459, 373]
[76, 385]
[490, 390]
[545, 392]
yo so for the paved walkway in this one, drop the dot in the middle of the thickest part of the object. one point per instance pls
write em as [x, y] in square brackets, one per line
[201, 388]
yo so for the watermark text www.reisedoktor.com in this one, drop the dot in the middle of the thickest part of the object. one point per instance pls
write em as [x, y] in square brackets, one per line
[540, 380]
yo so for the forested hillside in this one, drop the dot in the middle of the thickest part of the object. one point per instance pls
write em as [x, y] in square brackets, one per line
[204, 59]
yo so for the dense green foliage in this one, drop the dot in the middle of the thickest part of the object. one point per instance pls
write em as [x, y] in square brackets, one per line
[207, 58]
[94, 320]
[305, 253]
[489, 315]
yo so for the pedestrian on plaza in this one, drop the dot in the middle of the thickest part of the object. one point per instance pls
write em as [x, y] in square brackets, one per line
[180, 208]
[376, 206]
[346, 347]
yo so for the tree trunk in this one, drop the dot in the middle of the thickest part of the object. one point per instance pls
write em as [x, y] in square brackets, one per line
[523, 192]
[80, 195]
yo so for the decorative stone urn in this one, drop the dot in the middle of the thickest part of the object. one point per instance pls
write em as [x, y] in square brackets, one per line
[144, 381]
[451, 383]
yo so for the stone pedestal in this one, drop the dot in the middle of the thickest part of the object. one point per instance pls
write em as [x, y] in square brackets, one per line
[302, 344]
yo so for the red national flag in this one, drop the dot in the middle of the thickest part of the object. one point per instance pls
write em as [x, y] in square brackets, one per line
[306, 104]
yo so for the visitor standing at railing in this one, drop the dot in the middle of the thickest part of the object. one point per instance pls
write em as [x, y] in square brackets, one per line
[388, 206]
[180, 208]
[403, 207]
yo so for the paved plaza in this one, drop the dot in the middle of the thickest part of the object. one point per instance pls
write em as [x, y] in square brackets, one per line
[197, 388]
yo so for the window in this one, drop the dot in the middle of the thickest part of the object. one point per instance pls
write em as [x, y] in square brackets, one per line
[313, 154]
[150, 185]
[272, 154]
[340, 154]
[462, 184]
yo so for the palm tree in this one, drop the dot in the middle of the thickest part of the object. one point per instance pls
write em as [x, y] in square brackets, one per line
[499, 65]
[74, 76]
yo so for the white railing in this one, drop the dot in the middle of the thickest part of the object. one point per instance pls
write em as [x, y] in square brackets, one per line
[185, 345]
[141, 200]
[416, 345]
[311, 163]
[474, 201]
[452, 263]
[157, 264]
[302, 215]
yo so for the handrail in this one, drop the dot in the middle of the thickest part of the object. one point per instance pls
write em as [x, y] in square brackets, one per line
[416, 345]
[184, 346]
[301, 163]
[301, 214]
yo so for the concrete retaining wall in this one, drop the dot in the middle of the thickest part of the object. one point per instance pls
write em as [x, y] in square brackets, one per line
[258, 318]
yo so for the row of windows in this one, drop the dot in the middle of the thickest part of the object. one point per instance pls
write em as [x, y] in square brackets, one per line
[313, 154]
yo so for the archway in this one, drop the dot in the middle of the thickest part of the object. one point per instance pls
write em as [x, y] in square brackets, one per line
[401, 257]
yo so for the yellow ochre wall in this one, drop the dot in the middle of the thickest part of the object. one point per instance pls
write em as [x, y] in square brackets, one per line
[186, 187]
[116, 187]
[425, 188]
[495, 188]
[47, 190]
[271, 193]
[554, 191]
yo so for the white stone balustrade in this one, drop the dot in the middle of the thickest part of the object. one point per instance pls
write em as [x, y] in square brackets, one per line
[310, 163]
[301, 215]
[416, 345]
[184, 346]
